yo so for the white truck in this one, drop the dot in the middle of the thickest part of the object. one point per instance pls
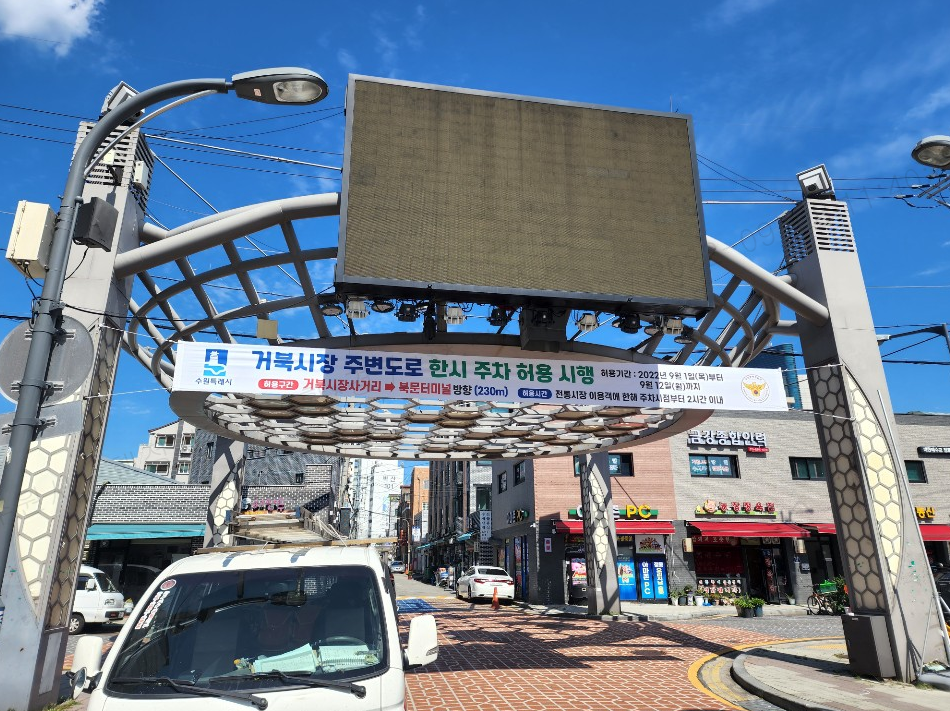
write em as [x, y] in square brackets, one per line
[286, 628]
[97, 600]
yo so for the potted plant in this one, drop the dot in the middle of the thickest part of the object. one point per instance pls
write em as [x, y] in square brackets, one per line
[698, 599]
[684, 596]
[675, 596]
[745, 607]
[688, 592]
[757, 604]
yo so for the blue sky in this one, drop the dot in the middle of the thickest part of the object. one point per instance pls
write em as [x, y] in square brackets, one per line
[773, 88]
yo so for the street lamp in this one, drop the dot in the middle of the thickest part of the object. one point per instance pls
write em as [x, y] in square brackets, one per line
[933, 151]
[284, 85]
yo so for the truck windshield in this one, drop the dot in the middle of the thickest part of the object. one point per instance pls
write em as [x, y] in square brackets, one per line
[104, 583]
[227, 630]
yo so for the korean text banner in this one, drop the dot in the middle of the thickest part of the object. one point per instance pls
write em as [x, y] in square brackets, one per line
[339, 373]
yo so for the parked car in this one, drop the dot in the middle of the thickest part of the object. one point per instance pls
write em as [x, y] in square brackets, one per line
[97, 600]
[294, 629]
[481, 581]
[397, 566]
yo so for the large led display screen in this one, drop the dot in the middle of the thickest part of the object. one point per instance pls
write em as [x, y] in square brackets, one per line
[517, 198]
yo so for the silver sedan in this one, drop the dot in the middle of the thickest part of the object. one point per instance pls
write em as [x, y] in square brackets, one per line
[481, 581]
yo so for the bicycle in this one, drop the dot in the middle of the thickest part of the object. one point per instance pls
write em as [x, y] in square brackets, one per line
[819, 603]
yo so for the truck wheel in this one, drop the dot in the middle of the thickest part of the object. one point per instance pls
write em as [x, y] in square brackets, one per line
[76, 623]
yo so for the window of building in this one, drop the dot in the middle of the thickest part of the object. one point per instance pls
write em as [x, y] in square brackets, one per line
[157, 467]
[298, 478]
[915, 472]
[519, 473]
[187, 441]
[482, 497]
[714, 465]
[184, 467]
[617, 464]
[807, 468]
[165, 440]
[503, 482]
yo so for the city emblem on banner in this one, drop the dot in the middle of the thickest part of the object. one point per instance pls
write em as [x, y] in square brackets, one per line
[755, 388]
[216, 363]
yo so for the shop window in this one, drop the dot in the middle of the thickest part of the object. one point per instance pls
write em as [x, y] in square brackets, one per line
[915, 472]
[807, 468]
[164, 440]
[157, 467]
[714, 465]
[502, 482]
[617, 464]
[519, 473]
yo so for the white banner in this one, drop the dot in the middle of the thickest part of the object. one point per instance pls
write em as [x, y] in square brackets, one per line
[339, 373]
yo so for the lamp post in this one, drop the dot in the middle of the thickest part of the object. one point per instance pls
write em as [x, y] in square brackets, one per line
[273, 86]
[933, 151]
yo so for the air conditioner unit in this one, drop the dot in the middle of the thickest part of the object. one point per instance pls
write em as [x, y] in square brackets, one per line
[30, 238]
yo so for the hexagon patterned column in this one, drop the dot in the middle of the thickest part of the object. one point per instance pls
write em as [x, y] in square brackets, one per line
[60, 471]
[897, 626]
[227, 473]
[600, 536]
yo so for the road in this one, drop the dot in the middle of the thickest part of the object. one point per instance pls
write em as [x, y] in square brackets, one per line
[514, 660]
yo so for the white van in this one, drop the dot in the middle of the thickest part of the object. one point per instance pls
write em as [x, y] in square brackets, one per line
[97, 600]
[296, 628]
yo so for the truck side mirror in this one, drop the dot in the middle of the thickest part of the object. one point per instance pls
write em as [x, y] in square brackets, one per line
[90, 584]
[423, 646]
[87, 662]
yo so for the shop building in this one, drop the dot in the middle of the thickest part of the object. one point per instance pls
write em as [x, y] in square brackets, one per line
[537, 530]
[753, 505]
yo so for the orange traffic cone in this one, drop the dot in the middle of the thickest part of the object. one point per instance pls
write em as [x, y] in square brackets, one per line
[494, 600]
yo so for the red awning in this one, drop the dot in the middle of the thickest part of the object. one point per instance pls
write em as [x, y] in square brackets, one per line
[935, 532]
[744, 529]
[823, 529]
[627, 528]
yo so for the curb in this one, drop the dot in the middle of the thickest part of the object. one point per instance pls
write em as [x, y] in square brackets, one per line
[748, 682]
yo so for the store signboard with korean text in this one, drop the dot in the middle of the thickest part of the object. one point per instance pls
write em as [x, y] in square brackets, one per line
[350, 373]
[754, 442]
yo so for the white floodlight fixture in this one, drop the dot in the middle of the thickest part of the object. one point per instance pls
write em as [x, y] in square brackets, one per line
[356, 309]
[586, 322]
[282, 85]
[331, 308]
[454, 316]
[382, 306]
[933, 151]
[816, 183]
[685, 338]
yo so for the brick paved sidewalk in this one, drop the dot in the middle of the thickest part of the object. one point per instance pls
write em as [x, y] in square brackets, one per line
[509, 660]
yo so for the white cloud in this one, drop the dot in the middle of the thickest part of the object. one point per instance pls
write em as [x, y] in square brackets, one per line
[731, 11]
[937, 100]
[938, 269]
[347, 61]
[53, 23]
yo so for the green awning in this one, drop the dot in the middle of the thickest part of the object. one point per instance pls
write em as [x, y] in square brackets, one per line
[465, 536]
[127, 531]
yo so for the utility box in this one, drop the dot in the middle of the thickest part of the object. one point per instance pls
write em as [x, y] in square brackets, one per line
[30, 238]
[869, 648]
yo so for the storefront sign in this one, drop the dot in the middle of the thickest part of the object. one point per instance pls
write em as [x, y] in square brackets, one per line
[711, 507]
[716, 540]
[517, 516]
[722, 586]
[342, 373]
[648, 544]
[925, 513]
[933, 450]
[484, 526]
[629, 512]
[751, 441]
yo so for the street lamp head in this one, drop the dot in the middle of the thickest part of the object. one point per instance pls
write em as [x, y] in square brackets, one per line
[933, 151]
[283, 85]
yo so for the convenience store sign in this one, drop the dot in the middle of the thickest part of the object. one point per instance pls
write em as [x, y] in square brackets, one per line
[343, 373]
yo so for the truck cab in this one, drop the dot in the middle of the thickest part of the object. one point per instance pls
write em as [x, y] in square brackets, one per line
[96, 600]
[295, 628]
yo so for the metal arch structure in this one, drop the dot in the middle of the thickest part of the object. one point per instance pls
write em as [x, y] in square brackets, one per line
[412, 428]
